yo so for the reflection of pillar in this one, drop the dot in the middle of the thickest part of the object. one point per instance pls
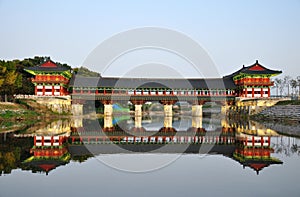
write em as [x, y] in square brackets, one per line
[108, 109]
[77, 109]
[197, 110]
[224, 109]
[224, 123]
[108, 123]
[77, 122]
[168, 110]
[168, 121]
[197, 122]
[138, 110]
[138, 122]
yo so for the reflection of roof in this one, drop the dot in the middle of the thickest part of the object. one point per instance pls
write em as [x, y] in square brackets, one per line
[254, 69]
[256, 164]
[49, 65]
[45, 165]
[212, 83]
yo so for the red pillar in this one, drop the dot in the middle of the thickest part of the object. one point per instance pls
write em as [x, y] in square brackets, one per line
[60, 91]
[52, 140]
[43, 140]
[35, 90]
[252, 92]
[34, 140]
[53, 90]
[43, 90]
[269, 93]
[261, 92]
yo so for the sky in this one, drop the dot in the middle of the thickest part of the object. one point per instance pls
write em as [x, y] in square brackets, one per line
[233, 33]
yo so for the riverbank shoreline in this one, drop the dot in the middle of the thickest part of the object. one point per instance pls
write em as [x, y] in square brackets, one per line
[19, 115]
[283, 117]
[282, 112]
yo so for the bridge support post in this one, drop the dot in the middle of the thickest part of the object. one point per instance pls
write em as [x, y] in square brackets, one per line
[196, 110]
[138, 121]
[77, 122]
[197, 107]
[168, 107]
[108, 123]
[197, 122]
[168, 121]
[77, 109]
[138, 110]
[224, 109]
[168, 110]
[108, 109]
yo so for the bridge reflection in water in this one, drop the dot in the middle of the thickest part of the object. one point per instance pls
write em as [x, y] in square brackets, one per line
[245, 142]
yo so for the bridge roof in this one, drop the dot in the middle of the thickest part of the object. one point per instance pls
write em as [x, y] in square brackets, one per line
[111, 82]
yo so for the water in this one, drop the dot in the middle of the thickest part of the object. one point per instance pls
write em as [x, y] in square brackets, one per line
[184, 156]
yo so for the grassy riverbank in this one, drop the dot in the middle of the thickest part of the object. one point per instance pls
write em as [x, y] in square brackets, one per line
[15, 116]
[293, 102]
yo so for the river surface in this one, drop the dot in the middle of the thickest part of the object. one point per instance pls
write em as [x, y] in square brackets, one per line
[149, 156]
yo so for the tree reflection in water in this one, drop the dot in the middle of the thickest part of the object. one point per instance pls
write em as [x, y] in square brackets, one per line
[63, 141]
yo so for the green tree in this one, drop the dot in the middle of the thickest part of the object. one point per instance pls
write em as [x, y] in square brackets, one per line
[15, 80]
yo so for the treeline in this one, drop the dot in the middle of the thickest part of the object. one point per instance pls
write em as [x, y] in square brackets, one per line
[15, 80]
[287, 86]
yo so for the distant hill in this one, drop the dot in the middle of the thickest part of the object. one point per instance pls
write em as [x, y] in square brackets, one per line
[85, 72]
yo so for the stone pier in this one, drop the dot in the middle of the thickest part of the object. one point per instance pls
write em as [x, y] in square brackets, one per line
[138, 121]
[77, 122]
[196, 110]
[108, 122]
[197, 122]
[168, 121]
[138, 110]
[137, 107]
[108, 109]
[77, 109]
[168, 107]
[224, 109]
[168, 110]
